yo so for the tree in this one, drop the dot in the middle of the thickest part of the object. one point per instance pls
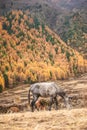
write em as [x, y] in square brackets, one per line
[6, 80]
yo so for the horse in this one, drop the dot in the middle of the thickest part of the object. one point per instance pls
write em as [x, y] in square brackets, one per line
[47, 89]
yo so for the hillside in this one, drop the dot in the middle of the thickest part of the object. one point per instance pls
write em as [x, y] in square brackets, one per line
[30, 52]
[68, 18]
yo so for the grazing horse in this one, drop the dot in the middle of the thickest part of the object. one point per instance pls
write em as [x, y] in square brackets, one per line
[47, 89]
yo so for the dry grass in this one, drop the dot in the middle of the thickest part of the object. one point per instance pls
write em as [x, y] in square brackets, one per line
[75, 119]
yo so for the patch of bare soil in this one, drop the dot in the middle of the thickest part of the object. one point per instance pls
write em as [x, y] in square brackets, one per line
[15, 100]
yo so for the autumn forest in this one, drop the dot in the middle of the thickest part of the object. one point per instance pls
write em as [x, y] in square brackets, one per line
[31, 52]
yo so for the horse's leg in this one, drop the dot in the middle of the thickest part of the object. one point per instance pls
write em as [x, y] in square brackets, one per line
[37, 105]
[51, 102]
[56, 103]
[35, 98]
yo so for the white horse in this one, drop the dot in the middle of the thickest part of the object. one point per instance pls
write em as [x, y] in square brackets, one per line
[47, 89]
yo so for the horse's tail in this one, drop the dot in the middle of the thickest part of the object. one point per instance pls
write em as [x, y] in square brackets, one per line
[29, 96]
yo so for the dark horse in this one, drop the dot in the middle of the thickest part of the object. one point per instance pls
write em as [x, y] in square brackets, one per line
[47, 89]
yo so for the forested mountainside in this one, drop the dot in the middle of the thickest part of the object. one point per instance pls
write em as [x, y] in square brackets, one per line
[31, 52]
[68, 18]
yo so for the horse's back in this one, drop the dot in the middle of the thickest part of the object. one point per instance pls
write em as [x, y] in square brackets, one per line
[44, 88]
[42, 85]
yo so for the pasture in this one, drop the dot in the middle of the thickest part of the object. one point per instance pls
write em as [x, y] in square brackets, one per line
[62, 119]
